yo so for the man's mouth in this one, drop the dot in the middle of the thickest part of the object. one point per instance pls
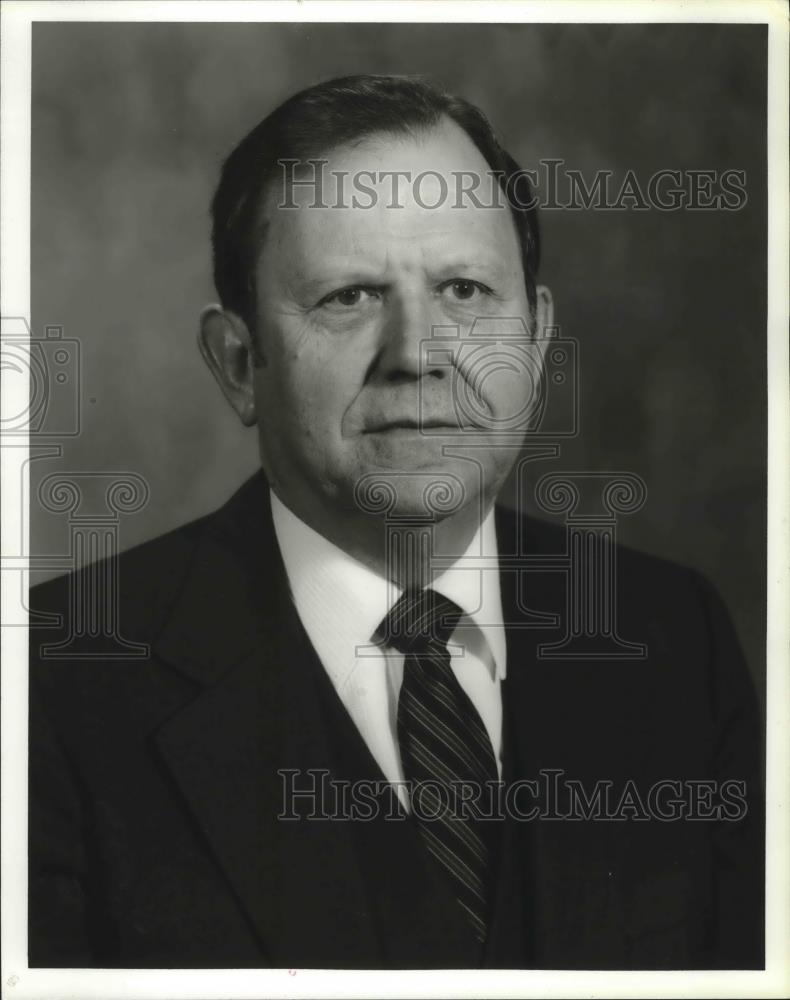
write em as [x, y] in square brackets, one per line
[406, 424]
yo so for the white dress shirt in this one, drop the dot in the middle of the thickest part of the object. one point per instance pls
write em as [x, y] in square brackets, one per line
[341, 603]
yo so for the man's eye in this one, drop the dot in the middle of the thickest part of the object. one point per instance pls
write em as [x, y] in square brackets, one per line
[464, 289]
[347, 298]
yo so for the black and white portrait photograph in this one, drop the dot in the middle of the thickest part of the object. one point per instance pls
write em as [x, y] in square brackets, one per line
[395, 536]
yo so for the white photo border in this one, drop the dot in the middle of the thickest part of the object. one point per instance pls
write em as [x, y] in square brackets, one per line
[18, 981]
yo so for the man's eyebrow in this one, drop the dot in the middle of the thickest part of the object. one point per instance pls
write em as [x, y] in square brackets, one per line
[493, 264]
[357, 270]
[338, 277]
[316, 284]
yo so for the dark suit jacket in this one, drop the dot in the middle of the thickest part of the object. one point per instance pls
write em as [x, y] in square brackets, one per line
[154, 785]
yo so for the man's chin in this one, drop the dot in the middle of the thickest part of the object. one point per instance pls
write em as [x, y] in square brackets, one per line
[430, 490]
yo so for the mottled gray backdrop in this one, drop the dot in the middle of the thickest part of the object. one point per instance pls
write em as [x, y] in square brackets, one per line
[131, 123]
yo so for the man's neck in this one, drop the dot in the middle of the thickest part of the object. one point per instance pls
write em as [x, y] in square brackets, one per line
[411, 551]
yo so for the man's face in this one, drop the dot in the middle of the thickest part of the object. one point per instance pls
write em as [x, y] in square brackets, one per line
[348, 299]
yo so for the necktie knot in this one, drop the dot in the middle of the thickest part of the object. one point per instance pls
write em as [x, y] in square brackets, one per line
[419, 621]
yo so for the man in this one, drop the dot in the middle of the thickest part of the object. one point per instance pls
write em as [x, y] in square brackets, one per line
[345, 662]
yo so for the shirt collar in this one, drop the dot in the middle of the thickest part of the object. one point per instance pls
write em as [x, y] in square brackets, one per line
[476, 591]
[341, 602]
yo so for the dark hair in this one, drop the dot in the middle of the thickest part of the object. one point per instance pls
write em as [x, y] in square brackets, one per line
[324, 117]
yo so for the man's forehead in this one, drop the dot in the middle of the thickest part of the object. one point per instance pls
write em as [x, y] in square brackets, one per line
[443, 142]
[328, 241]
[393, 188]
[434, 167]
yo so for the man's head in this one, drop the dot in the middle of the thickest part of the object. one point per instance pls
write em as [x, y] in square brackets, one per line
[346, 319]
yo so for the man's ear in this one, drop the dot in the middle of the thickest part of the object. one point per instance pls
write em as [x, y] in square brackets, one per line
[544, 318]
[227, 348]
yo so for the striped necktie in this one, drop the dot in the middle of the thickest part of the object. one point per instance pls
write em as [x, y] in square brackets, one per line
[443, 742]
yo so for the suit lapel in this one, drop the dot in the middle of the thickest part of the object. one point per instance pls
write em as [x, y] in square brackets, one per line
[255, 714]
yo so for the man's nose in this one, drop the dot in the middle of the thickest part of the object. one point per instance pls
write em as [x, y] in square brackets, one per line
[405, 340]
